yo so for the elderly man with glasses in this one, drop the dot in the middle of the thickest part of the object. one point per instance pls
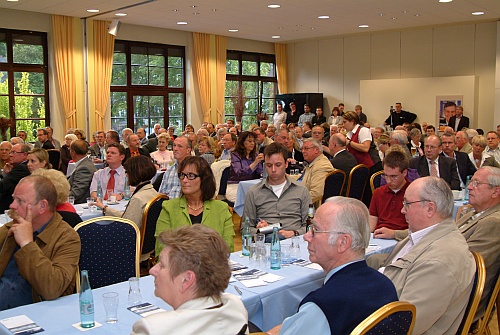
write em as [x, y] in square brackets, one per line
[351, 291]
[13, 172]
[432, 268]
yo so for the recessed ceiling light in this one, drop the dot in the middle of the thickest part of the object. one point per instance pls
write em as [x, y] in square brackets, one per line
[417, 15]
[276, 36]
[233, 30]
[312, 28]
[273, 6]
[364, 26]
[281, 28]
[196, 13]
[121, 14]
[175, 10]
[93, 10]
[323, 17]
[381, 14]
[12, 0]
[214, 10]
[445, 0]
[394, 18]
[182, 22]
[405, 11]
[194, 6]
[478, 13]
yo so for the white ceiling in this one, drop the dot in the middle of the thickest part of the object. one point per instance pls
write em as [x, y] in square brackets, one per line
[295, 20]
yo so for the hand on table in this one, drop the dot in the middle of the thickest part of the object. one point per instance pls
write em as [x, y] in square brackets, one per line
[383, 233]
[287, 233]
[22, 229]
[262, 224]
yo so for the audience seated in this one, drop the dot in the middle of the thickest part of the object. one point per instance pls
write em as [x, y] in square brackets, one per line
[206, 149]
[228, 143]
[191, 276]
[40, 254]
[493, 148]
[462, 142]
[81, 177]
[478, 157]
[196, 205]
[65, 152]
[464, 165]
[170, 184]
[134, 148]
[13, 172]
[352, 291]
[162, 154]
[98, 149]
[5, 148]
[43, 140]
[111, 178]
[38, 159]
[342, 159]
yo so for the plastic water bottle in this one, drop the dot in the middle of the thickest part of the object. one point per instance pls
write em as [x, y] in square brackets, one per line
[99, 190]
[86, 302]
[275, 250]
[246, 236]
[466, 190]
[126, 190]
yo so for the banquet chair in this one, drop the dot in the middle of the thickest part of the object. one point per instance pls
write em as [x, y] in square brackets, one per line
[148, 228]
[223, 186]
[475, 296]
[494, 299]
[395, 318]
[54, 158]
[334, 184]
[110, 250]
[358, 177]
[375, 180]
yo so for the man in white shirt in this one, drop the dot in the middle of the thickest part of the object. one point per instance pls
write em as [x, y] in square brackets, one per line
[279, 117]
[112, 177]
[228, 143]
[493, 149]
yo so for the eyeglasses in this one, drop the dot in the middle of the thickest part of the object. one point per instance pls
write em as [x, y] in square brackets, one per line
[15, 152]
[407, 204]
[190, 176]
[475, 183]
[307, 148]
[313, 231]
[390, 177]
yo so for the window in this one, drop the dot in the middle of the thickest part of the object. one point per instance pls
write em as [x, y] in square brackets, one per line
[24, 91]
[147, 86]
[251, 86]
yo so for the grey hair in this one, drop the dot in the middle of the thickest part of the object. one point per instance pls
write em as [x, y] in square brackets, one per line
[493, 175]
[439, 192]
[315, 143]
[400, 136]
[352, 218]
[415, 132]
[471, 133]
[222, 130]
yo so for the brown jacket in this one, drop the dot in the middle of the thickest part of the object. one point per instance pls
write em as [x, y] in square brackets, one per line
[48, 264]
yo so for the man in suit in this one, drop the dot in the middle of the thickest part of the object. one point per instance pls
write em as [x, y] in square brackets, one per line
[98, 149]
[464, 164]
[352, 291]
[459, 121]
[134, 148]
[156, 131]
[481, 227]
[342, 159]
[81, 177]
[432, 268]
[142, 136]
[434, 165]
[14, 171]
[43, 140]
[50, 133]
[462, 142]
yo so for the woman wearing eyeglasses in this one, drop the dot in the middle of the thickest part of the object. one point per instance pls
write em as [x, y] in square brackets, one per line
[196, 205]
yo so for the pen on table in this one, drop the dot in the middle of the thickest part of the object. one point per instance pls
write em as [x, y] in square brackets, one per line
[238, 290]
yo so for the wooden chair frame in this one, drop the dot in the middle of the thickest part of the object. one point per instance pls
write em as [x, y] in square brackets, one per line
[372, 179]
[112, 219]
[495, 298]
[382, 313]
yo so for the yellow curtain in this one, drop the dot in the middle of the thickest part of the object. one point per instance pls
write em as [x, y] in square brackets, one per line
[62, 32]
[221, 53]
[281, 65]
[201, 43]
[104, 44]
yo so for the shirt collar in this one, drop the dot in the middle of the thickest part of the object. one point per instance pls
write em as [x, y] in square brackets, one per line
[418, 235]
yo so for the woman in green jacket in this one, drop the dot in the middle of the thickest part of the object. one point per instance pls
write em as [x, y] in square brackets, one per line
[196, 205]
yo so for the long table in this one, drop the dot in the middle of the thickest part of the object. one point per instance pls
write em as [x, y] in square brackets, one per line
[267, 305]
[85, 213]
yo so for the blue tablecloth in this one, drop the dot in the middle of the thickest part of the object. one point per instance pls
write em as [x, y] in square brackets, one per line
[85, 213]
[243, 187]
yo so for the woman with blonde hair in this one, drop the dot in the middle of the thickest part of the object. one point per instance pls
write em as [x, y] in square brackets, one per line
[206, 149]
[478, 157]
[38, 159]
[162, 154]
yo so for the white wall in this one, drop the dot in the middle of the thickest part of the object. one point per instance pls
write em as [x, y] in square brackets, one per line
[336, 67]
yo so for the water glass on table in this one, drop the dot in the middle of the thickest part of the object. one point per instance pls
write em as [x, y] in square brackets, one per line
[111, 301]
[286, 253]
[91, 204]
[134, 292]
[71, 199]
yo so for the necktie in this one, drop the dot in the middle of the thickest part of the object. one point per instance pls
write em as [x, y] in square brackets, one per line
[111, 183]
[434, 171]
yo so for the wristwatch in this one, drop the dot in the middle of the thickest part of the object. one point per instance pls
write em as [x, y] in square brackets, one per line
[296, 233]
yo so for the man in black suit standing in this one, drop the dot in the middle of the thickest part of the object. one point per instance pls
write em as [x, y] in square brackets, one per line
[431, 164]
[464, 164]
[14, 171]
[459, 121]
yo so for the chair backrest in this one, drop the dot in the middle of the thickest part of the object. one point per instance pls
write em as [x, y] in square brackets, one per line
[334, 184]
[54, 158]
[358, 177]
[494, 298]
[475, 295]
[395, 318]
[375, 180]
[148, 227]
[110, 250]
[223, 181]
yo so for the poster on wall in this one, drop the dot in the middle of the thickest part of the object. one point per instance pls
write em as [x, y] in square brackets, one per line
[441, 100]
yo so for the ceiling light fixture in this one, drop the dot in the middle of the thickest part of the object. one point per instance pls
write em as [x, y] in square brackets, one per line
[381, 14]
[194, 6]
[12, 0]
[364, 26]
[233, 30]
[182, 22]
[417, 15]
[477, 13]
[273, 6]
[445, 0]
[394, 18]
[114, 27]
[120, 14]
[93, 10]
[196, 13]
[323, 17]
[276, 36]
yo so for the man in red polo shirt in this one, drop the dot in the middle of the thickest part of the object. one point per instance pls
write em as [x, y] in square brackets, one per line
[386, 220]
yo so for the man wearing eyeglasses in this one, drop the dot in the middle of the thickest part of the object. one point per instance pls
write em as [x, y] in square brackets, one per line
[170, 184]
[432, 268]
[386, 219]
[13, 172]
[337, 241]
[481, 227]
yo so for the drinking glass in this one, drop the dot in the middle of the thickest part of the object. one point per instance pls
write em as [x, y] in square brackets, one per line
[286, 252]
[295, 254]
[110, 301]
[260, 238]
[91, 204]
[71, 199]
[134, 291]
[109, 192]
